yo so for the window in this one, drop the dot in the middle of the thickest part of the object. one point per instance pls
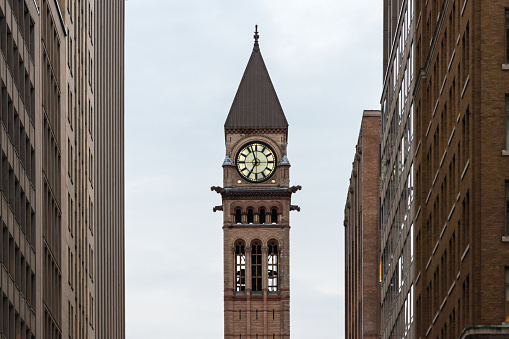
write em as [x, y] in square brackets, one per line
[238, 216]
[71, 320]
[90, 118]
[272, 265]
[91, 211]
[70, 55]
[240, 266]
[273, 217]
[507, 36]
[250, 216]
[91, 310]
[69, 213]
[69, 159]
[507, 207]
[256, 266]
[507, 294]
[69, 274]
[69, 108]
[262, 216]
[90, 262]
[507, 121]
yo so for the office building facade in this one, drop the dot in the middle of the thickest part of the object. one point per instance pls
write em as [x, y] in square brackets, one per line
[461, 169]
[109, 169]
[362, 234]
[396, 172]
[51, 231]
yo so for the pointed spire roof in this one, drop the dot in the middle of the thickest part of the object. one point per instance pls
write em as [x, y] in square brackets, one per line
[256, 104]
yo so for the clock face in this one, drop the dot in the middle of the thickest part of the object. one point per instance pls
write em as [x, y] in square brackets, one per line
[256, 162]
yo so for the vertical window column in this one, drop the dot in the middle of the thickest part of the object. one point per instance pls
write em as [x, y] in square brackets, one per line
[256, 266]
[248, 272]
[272, 260]
[240, 266]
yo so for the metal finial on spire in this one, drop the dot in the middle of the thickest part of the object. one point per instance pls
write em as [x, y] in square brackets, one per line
[256, 36]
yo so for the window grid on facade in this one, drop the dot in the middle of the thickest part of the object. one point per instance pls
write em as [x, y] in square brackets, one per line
[396, 170]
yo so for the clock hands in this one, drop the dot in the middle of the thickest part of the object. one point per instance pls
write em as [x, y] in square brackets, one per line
[256, 162]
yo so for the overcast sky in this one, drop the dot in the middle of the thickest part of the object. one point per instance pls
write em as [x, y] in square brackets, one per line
[184, 62]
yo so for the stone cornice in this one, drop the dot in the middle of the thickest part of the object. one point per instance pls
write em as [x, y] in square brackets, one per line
[239, 192]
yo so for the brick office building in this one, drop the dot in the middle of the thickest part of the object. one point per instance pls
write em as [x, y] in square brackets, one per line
[362, 234]
[461, 168]
[61, 141]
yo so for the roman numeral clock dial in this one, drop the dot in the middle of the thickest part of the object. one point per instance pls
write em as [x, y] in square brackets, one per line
[256, 162]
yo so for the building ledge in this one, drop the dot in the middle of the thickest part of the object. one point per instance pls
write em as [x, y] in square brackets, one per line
[505, 238]
[505, 153]
[465, 253]
[485, 331]
[505, 67]
[451, 288]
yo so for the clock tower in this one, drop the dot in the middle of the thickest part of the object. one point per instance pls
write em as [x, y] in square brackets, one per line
[256, 205]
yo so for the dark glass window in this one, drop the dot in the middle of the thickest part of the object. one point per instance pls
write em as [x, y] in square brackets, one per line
[262, 216]
[238, 216]
[250, 216]
[273, 217]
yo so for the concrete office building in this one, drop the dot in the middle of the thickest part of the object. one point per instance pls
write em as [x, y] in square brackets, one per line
[109, 169]
[362, 234]
[56, 180]
[462, 169]
[396, 171]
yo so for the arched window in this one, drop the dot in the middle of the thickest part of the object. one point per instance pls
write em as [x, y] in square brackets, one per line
[272, 256]
[238, 216]
[256, 265]
[240, 266]
[262, 216]
[250, 216]
[273, 216]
